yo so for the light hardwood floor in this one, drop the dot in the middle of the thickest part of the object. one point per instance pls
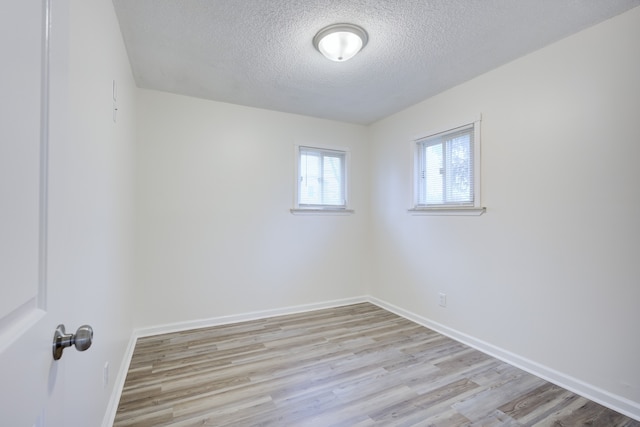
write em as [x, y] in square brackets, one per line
[357, 365]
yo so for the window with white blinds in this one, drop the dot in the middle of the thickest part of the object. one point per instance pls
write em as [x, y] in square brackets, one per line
[447, 169]
[322, 178]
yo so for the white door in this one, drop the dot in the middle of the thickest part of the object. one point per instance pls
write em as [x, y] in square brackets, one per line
[30, 380]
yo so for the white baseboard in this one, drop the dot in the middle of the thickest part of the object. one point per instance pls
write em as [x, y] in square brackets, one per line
[243, 317]
[603, 397]
[118, 384]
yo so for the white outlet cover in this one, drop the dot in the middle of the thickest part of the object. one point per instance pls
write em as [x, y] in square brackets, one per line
[105, 375]
[442, 299]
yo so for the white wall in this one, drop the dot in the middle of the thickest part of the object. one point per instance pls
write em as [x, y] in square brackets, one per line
[551, 271]
[90, 251]
[214, 188]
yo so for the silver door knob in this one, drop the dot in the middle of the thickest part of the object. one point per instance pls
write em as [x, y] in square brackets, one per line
[81, 339]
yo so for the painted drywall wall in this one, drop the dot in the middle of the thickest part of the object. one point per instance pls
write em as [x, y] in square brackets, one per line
[551, 271]
[215, 183]
[90, 234]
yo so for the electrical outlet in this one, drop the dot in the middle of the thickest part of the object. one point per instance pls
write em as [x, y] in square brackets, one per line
[114, 89]
[442, 299]
[105, 375]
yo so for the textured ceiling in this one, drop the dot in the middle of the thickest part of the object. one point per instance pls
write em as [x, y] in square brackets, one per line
[259, 53]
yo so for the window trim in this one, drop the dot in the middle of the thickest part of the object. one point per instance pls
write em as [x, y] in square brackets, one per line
[448, 209]
[321, 209]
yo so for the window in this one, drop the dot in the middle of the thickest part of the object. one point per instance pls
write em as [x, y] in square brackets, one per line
[321, 179]
[447, 170]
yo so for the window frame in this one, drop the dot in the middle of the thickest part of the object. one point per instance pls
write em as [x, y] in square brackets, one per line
[474, 208]
[300, 208]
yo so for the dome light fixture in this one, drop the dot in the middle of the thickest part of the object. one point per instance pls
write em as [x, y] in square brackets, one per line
[339, 42]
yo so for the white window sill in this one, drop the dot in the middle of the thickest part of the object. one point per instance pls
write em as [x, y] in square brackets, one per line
[310, 211]
[462, 210]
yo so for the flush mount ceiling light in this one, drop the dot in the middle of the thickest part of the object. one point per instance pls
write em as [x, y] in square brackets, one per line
[340, 42]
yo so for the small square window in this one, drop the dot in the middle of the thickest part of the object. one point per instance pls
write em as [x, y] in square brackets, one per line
[321, 178]
[447, 169]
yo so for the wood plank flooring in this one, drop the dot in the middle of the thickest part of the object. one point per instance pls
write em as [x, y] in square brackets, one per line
[351, 366]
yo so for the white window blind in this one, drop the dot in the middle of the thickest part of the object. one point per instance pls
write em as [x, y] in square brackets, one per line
[322, 178]
[444, 167]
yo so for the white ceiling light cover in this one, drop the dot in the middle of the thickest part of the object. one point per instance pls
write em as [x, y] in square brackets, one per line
[340, 42]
